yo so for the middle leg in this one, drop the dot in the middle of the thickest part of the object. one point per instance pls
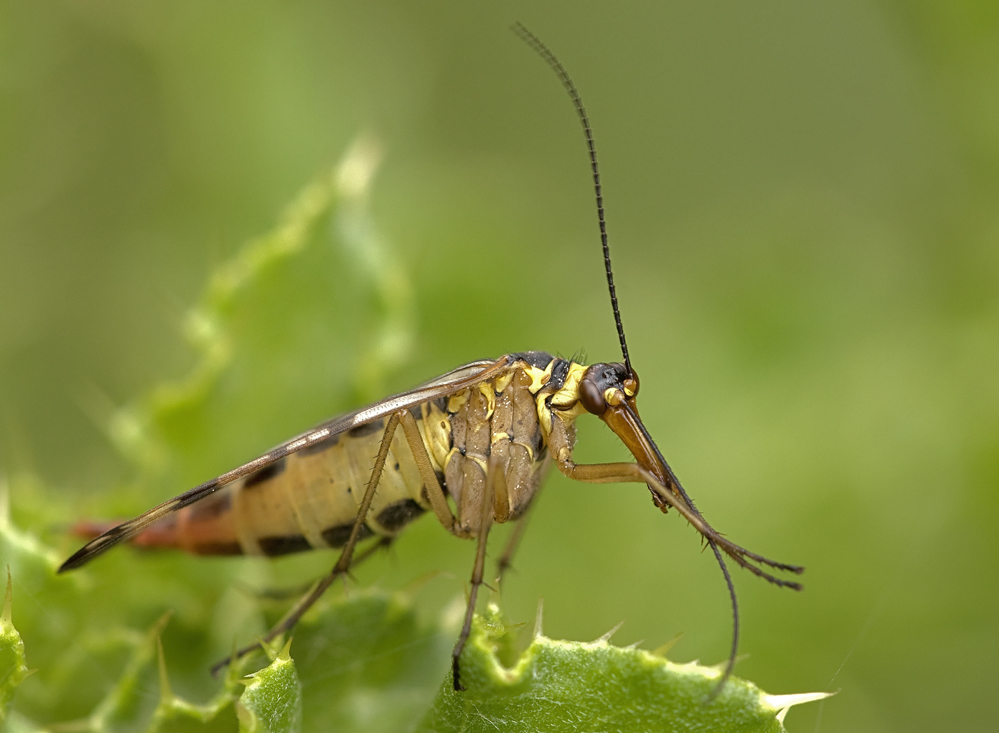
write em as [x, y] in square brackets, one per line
[343, 563]
[478, 571]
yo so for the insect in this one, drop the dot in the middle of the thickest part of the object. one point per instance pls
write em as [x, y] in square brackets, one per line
[472, 447]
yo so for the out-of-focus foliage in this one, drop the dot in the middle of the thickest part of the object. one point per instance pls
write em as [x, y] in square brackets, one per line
[802, 209]
[367, 660]
[363, 662]
[13, 669]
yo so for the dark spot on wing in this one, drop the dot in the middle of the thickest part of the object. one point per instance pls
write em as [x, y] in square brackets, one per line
[338, 536]
[217, 548]
[372, 427]
[441, 403]
[264, 474]
[272, 546]
[416, 412]
[396, 516]
[319, 446]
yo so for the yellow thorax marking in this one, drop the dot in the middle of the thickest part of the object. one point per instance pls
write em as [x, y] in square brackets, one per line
[539, 377]
[565, 400]
[438, 430]
[487, 391]
[568, 396]
[503, 381]
[457, 401]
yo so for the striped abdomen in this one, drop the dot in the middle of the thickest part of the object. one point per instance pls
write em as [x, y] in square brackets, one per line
[310, 498]
[306, 500]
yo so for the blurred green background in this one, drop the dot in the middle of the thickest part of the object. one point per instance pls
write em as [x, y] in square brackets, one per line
[802, 202]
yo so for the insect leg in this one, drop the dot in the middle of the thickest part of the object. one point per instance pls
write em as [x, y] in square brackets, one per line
[477, 573]
[633, 473]
[343, 563]
[433, 485]
[608, 473]
[513, 542]
[280, 594]
[611, 473]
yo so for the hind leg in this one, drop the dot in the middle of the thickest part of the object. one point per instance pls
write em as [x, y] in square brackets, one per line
[343, 564]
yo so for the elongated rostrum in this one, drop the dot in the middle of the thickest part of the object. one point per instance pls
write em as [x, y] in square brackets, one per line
[472, 447]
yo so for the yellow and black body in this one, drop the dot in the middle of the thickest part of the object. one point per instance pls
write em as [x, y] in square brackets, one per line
[305, 494]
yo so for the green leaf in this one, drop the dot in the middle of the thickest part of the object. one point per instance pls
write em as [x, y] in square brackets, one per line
[272, 702]
[573, 686]
[13, 669]
[369, 663]
[365, 660]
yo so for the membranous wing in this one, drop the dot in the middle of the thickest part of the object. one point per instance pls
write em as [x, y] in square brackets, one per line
[447, 384]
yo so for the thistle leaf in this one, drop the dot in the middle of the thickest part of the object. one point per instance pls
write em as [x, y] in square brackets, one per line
[575, 686]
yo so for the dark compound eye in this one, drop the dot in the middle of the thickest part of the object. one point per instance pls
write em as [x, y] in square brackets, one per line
[591, 397]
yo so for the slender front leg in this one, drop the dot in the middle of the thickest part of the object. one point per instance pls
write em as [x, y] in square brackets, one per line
[343, 563]
[612, 473]
[485, 522]
[606, 473]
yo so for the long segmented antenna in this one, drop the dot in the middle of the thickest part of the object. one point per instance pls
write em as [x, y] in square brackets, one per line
[741, 556]
[544, 52]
